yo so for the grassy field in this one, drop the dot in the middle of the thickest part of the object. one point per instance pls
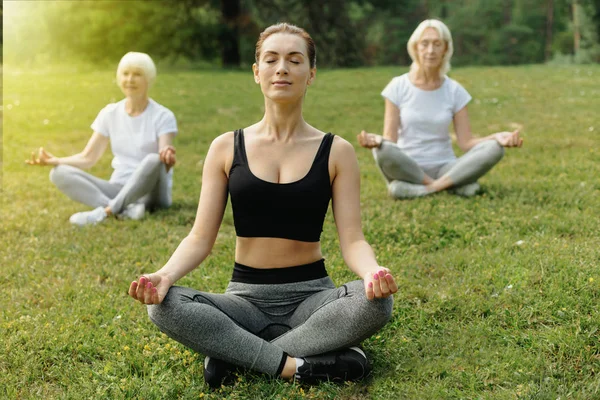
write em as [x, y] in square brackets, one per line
[498, 293]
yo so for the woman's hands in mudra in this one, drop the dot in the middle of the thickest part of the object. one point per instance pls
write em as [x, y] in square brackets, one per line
[150, 289]
[509, 139]
[167, 156]
[379, 284]
[369, 140]
[42, 158]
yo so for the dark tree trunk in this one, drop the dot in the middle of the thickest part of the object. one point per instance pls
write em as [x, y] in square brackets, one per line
[230, 33]
[507, 12]
[444, 11]
[549, 28]
[576, 33]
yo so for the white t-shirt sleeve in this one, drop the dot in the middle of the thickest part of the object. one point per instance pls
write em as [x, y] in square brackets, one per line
[393, 91]
[166, 123]
[101, 124]
[461, 98]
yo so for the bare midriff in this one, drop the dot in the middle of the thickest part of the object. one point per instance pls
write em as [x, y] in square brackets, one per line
[275, 253]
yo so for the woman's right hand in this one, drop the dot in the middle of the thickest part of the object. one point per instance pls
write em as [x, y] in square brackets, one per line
[150, 289]
[369, 140]
[43, 158]
[509, 139]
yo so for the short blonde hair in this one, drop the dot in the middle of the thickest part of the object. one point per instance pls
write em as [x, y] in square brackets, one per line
[138, 60]
[444, 32]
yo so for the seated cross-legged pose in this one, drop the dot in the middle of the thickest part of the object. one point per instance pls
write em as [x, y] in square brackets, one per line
[281, 314]
[140, 132]
[415, 152]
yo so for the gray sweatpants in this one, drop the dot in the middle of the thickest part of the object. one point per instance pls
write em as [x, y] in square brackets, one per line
[252, 325]
[396, 165]
[148, 184]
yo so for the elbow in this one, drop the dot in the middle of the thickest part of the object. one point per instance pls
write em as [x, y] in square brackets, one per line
[351, 248]
[201, 241]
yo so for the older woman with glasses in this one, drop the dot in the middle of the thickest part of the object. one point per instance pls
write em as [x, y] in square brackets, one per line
[415, 152]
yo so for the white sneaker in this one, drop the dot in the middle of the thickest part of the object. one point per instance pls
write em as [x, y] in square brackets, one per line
[88, 217]
[468, 190]
[134, 211]
[406, 190]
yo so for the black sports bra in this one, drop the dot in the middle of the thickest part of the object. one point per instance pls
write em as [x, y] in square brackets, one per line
[294, 210]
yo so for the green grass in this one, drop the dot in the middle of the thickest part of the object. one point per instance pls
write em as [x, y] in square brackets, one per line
[477, 316]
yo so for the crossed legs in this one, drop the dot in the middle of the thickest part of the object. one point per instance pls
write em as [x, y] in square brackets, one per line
[248, 327]
[406, 178]
[148, 184]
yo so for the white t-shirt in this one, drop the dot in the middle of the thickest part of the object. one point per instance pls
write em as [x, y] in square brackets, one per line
[133, 138]
[425, 116]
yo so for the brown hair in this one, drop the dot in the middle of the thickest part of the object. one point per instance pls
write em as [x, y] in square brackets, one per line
[284, 27]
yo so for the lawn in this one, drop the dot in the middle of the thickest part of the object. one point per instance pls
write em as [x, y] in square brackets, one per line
[498, 293]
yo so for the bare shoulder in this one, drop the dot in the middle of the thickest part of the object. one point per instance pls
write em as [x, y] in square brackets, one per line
[342, 158]
[220, 152]
[342, 149]
[222, 142]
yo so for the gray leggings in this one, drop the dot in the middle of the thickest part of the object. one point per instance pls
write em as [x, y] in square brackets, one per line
[396, 165]
[148, 184]
[256, 325]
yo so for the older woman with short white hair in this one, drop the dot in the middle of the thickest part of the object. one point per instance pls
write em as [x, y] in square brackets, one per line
[415, 152]
[140, 132]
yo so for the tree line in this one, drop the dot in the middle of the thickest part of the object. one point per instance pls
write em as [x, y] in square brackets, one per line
[347, 33]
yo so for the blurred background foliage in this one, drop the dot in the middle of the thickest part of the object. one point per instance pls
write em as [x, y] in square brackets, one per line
[348, 33]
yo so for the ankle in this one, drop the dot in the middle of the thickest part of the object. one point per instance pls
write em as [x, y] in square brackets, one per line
[289, 369]
[430, 188]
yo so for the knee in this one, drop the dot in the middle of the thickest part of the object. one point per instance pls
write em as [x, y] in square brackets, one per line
[54, 174]
[377, 311]
[151, 161]
[149, 166]
[382, 309]
[385, 151]
[157, 313]
[161, 313]
[152, 158]
[494, 149]
[58, 174]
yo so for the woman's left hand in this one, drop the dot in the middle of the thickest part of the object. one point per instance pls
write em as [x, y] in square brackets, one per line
[509, 139]
[379, 284]
[369, 140]
[167, 156]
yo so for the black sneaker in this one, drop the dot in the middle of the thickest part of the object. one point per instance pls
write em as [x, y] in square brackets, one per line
[336, 366]
[218, 372]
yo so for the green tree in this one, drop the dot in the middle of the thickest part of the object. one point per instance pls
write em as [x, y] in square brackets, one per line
[347, 33]
[98, 31]
[586, 12]
[389, 25]
[339, 39]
